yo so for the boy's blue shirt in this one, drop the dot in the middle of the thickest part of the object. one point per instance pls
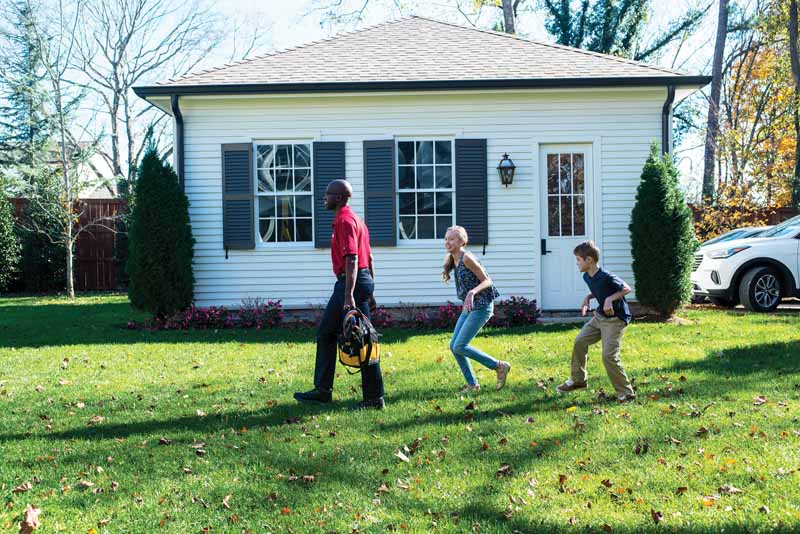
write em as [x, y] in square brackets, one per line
[604, 284]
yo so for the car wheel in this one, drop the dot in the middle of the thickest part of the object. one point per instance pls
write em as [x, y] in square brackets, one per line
[760, 290]
[722, 302]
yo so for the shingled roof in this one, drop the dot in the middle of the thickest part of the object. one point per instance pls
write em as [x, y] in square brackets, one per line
[420, 53]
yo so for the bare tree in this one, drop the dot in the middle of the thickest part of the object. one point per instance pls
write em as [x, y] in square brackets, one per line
[712, 129]
[61, 177]
[795, 61]
[128, 41]
[508, 16]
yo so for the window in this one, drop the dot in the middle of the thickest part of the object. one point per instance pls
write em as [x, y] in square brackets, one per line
[284, 193]
[566, 196]
[425, 188]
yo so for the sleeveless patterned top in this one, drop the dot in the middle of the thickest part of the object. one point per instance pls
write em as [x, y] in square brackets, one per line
[466, 280]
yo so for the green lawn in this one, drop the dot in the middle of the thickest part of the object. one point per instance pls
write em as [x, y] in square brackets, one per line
[130, 413]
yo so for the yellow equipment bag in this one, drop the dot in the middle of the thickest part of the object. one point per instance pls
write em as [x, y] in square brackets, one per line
[358, 341]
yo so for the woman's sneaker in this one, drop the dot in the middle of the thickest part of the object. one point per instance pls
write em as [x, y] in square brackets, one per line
[469, 388]
[569, 386]
[502, 372]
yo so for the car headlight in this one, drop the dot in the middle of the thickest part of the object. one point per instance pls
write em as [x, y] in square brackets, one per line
[721, 254]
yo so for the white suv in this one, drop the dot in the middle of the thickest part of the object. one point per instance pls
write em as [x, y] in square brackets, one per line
[756, 272]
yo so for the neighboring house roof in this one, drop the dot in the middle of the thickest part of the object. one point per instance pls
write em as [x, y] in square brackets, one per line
[418, 53]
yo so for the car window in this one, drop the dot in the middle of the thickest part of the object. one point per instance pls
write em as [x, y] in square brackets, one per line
[724, 237]
[778, 230]
[788, 231]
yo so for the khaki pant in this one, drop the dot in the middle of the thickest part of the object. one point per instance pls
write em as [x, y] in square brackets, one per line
[609, 330]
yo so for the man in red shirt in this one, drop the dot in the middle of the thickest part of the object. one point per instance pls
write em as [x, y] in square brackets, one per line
[352, 264]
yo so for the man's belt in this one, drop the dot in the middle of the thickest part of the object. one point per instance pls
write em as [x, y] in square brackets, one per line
[342, 276]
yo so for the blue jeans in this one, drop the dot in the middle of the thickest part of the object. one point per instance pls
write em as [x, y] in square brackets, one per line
[467, 327]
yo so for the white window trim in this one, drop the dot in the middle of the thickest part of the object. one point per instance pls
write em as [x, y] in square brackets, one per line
[432, 242]
[283, 245]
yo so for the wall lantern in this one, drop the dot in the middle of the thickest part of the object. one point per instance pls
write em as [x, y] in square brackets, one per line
[506, 170]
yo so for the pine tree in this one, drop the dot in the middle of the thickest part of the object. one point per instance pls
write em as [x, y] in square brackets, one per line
[662, 238]
[161, 244]
[26, 126]
[9, 244]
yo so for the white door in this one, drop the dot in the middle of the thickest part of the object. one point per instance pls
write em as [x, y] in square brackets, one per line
[566, 215]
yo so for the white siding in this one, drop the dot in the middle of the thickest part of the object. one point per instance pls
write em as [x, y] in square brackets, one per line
[624, 122]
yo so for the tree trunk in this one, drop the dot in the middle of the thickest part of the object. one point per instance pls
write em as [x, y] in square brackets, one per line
[796, 75]
[508, 16]
[712, 129]
[116, 164]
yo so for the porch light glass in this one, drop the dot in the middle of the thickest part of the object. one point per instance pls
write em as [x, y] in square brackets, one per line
[506, 170]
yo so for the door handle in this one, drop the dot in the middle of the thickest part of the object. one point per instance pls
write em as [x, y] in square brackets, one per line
[544, 248]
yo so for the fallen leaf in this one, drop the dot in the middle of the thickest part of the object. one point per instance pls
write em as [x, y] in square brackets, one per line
[504, 470]
[200, 452]
[226, 502]
[403, 457]
[96, 420]
[286, 510]
[764, 509]
[657, 516]
[39, 388]
[562, 479]
[63, 382]
[702, 431]
[470, 406]
[572, 409]
[164, 441]
[729, 490]
[84, 484]
[22, 488]
[30, 520]
[606, 482]
[200, 413]
[681, 490]
[114, 485]
[383, 488]
[758, 400]
[65, 363]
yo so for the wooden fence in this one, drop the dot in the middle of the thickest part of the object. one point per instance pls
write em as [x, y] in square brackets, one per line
[95, 268]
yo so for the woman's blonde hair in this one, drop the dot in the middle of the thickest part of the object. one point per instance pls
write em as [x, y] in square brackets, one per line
[449, 262]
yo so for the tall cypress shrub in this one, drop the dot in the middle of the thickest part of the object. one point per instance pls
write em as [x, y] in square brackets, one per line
[9, 245]
[161, 245]
[662, 238]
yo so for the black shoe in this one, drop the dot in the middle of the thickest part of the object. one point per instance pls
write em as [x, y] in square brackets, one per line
[314, 396]
[377, 404]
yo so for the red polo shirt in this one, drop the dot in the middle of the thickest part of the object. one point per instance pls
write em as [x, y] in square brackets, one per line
[350, 236]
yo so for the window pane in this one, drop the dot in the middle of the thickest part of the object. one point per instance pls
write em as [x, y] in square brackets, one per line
[442, 224]
[405, 152]
[577, 169]
[304, 230]
[553, 220]
[580, 214]
[285, 230]
[267, 229]
[444, 152]
[285, 206]
[303, 205]
[407, 204]
[408, 227]
[302, 156]
[565, 175]
[444, 203]
[302, 179]
[552, 173]
[425, 177]
[264, 155]
[425, 203]
[406, 177]
[444, 177]
[283, 179]
[425, 228]
[266, 183]
[566, 216]
[425, 152]
[283, 156]
[266, 207]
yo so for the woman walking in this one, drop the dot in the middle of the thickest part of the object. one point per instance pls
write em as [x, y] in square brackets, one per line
[475, 289]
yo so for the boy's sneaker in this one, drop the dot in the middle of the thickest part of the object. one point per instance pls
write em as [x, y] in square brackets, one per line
[569, 386]
[502, 373]
[625, 397]
[469, 388]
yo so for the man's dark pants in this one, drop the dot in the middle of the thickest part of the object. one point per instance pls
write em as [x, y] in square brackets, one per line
[329, 328]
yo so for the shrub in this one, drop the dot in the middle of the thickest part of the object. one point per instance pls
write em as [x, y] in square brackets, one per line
[515, 311]
[161, 244]
[381, 318]
[445, 316]
[9, 245]
[662, 238]
[254, 313]
[258, 314]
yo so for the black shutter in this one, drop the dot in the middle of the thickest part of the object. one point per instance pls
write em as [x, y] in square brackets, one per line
[328, 166]
[379, 192]
[238, 224]
[472, 210]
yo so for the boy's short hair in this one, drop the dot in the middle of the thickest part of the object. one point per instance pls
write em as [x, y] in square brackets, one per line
[587, 249]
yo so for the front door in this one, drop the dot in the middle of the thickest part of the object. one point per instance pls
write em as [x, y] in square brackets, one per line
[566, 215]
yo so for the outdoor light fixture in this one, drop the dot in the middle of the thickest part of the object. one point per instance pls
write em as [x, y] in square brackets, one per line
[506, 170]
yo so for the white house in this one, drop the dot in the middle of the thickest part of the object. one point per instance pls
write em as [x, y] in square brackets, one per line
[416, 114]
